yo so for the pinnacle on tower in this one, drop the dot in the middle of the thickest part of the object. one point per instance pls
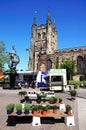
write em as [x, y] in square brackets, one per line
[34, 20]
[48, 18]
[54, 25]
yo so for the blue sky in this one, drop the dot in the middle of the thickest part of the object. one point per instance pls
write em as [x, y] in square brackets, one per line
[16, 18]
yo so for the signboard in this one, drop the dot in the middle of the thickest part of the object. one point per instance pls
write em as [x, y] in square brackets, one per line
[57, 70]
[40, 78]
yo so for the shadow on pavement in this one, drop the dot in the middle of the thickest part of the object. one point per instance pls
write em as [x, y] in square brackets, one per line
[12, 121]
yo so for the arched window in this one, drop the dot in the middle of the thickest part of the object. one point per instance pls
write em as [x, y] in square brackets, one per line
[39, 36]
[43, 35]
[49, 64]
[80, 65]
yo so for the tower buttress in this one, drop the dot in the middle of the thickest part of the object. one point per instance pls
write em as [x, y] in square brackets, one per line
[55, 34]
[49, 33]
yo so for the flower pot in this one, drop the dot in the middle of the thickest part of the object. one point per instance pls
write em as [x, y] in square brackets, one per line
[68, 109]
[44, 113]
[10, 108]
[9, 111]
[35, 112]
[55, 111]
[26, 111]
[48, 111]
[19, 112]
[40, 111]
[26, 108]
[73, 94]
[69, 113]
[60, 100]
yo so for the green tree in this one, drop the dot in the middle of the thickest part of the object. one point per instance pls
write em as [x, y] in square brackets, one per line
[4, 56]
[56, 64]
[69, 65]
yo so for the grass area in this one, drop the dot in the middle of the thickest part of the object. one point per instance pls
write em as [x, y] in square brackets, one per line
[77, 83]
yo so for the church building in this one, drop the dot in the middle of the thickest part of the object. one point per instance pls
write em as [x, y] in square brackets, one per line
[43, 40]
[44, 50]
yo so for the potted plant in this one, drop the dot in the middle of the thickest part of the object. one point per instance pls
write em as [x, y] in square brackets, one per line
[40, 108]
[55, 109]
[48, 110]
[35, 109]
[60, 100]
[19, 108]
[44, 108]
[22, 93]
[51, 100]
[68, 109]
[10, 108]
[26, 108]
[39, 96]
[55, 99]
[44, 96]
[73, 94]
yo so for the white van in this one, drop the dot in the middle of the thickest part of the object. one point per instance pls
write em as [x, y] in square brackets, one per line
[56, 79]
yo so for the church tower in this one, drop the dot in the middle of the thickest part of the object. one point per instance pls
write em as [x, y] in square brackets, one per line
[43, 40]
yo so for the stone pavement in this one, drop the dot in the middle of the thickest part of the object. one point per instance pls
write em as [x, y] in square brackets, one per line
[8, 96]
[81, 101]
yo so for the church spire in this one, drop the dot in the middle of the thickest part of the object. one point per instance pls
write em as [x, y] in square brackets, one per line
[54, 25]
[34, 25]
[34, 20]
[48, 21]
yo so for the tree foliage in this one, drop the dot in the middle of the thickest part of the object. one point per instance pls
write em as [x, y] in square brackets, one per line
[4, 56]
[69, 65]
[56, 64]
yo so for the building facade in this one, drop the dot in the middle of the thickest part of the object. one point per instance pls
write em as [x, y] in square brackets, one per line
[43, 40]
[44, 49]
[77, 54]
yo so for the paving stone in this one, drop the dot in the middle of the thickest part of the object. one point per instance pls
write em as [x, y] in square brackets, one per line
[7, 96]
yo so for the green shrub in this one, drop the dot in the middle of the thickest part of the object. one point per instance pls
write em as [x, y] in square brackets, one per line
[40, 106]
[44, 108]
[54, 107]
[10, 106]
[22, 93]
[77, 83]
[35, 107]
[39, 95]
[18, 106]
[27, 106]
[60, 99]
[44, 95]
[73, 92]
[55, 99]
[68, 107]
[48, 106]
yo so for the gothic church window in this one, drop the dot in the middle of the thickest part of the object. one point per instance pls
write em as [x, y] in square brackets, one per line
[49, 64]
[80, 65]
[39, 36]
[43, 35]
